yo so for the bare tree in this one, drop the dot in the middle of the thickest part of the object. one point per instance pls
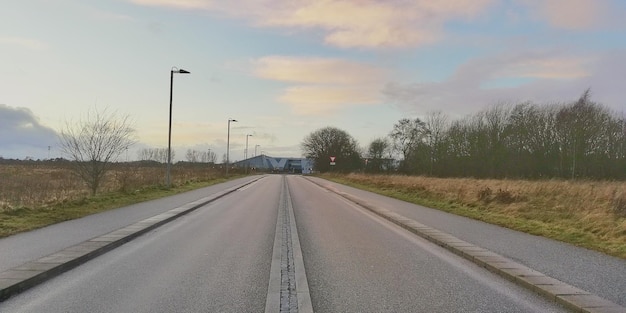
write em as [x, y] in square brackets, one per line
[578, 139]
[212, 157]
[155, 154]
[496, 120]
[193, 156]
[208, 157]
[436, 124]
[379, 153]
[94, 142]
[581, 127]
[407, 136]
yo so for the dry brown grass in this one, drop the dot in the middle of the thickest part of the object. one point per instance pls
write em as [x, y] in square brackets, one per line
[40, 185]
[36, 185]
[34, 195]
[586, 213]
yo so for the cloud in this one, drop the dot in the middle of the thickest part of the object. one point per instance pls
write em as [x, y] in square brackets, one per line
[21, 132]
[348, 23]
[324, 85]
[324, 100]
[177, 4]
[316, 70]
[538, 77]
[384, 24]
[110, 16]
[28, 43]
[532, 65]
[551, 67]
[569, 14]
[376, 23]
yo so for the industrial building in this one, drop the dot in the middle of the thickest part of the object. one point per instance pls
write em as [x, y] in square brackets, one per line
[266, 163]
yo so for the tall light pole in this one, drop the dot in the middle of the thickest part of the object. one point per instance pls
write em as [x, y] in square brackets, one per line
[169, 133]
[255, 147]
[247, 136]
[246, 154]
[228, 145]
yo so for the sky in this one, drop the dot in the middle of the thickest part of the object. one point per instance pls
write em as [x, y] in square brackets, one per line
[284, 69]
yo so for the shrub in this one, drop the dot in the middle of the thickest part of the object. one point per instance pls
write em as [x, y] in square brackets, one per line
[619, 203]
[485, 194]
[504, 196]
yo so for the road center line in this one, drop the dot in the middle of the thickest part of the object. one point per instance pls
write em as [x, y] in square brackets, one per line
[288, 289]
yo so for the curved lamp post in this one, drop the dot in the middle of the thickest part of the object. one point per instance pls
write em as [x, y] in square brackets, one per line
[169, 133]
[228, 145]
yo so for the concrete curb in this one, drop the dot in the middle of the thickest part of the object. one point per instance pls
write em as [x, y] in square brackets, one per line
[30, 274]
[571, 297]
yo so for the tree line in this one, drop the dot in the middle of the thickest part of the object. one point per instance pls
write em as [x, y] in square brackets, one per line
[191, 156]
[582, 139]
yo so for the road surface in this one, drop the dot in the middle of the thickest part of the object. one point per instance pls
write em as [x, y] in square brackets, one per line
[229, 255]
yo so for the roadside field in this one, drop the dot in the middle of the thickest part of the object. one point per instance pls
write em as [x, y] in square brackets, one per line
[590, 214]
[37, 194]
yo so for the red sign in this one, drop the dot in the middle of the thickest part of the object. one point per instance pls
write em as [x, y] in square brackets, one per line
[332, 159]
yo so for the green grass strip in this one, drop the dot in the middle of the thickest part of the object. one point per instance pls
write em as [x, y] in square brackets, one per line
[26, 219]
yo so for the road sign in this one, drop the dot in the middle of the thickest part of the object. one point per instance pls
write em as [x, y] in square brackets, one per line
[332, 159]
[332, 163]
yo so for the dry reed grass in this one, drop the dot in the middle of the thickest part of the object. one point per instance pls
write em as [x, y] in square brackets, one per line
[43, 185]
[34, 195]
[586, 213]
[36, 185]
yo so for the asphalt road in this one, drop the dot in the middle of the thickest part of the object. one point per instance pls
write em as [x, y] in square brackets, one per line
[219, 259]
[53, 238]
[592, 271]
[215, 259]
[357, 262]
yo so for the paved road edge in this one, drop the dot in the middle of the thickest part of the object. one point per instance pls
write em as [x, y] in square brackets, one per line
[20, 278]
[571, 297]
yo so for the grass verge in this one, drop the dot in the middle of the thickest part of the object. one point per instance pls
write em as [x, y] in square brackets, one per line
[582, 213]
[24, 219]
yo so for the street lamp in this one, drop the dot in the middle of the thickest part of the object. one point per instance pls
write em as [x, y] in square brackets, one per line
[246, 154]
[169, 133]
[228, 145]
[247, 136]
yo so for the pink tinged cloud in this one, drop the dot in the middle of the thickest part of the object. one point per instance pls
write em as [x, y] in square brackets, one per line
[323, 85]
[325, 100]
[376, 24]
[570, 14]
[348, 23]
[316, 70]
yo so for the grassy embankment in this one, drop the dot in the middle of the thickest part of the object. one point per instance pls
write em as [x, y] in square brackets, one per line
[34, 196]
[590, 214]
